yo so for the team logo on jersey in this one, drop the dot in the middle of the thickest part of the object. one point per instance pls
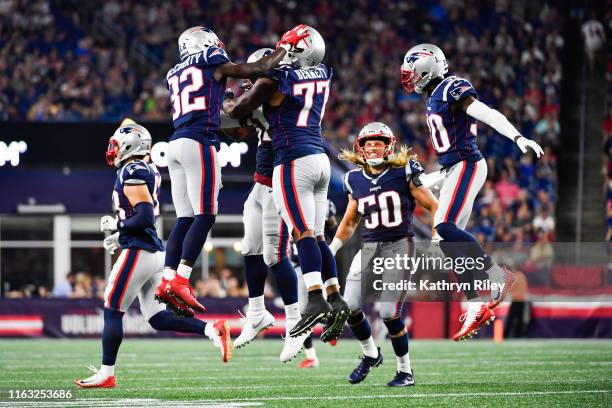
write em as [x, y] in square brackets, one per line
[218, 51]
[457, 92]
[132, 168]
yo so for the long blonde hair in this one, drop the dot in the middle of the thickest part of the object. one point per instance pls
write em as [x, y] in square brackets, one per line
[398, 159]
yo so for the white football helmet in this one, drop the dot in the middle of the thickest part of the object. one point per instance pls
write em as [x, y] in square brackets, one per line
[259, 54]
[422, 63]
[375, 131]
[196, 39]
[128, 141]
[309, 51]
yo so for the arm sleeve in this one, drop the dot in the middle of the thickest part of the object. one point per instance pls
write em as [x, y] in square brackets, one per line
[143, 217]
[493, 118]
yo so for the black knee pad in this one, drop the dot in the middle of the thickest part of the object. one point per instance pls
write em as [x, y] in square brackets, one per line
[355, 317]
[394, 326]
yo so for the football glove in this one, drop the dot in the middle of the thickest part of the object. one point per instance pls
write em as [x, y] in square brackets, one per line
[291, 38]
[111, 243]
[523, 143]
[108, 223]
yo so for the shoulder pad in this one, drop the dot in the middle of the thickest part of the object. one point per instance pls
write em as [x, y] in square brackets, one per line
[346, 183]
[457, 89]
[135, 173]
[215, 56]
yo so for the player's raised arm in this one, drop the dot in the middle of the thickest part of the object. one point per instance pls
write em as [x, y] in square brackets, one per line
[250, 69]
[347, 226]
[262, 91]
[492, 117]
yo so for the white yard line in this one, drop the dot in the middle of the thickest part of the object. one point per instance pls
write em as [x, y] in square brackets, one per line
[242, 402]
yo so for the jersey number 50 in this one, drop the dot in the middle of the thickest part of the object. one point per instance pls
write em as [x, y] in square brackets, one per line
[382, 216]
[180, 101]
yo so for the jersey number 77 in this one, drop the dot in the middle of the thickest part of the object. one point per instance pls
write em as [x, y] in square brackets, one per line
[308, 89]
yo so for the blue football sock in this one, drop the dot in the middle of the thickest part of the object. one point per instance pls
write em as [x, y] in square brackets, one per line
[328, 269]
[196, 237]
[256, 272]
[400, 343]
[168, 321]
[286, 280]
[309, 255]
[112, 335]
[174, 245]
[360, 326]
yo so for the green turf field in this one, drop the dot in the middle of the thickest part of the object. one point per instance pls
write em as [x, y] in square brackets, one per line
[164, 373]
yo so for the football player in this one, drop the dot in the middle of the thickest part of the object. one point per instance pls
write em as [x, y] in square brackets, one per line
[452, 109]
[139, 268]
[265, 242]
[196, 88]
[293, 98]
[384, 190]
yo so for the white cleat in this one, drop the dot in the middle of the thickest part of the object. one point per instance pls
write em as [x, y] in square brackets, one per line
[252, 327]
[293, 345]
[98, 380]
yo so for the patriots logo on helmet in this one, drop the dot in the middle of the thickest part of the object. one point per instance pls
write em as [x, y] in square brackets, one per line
[128, 130]
[412, 58]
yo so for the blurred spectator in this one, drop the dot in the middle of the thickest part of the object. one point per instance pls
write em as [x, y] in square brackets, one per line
[82, 286]
[63, 289]
[543, 221]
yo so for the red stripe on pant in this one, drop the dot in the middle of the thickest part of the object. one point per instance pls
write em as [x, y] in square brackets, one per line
[295, 194]
[127, 281]
[212, 195]
[450, 205]
[467, 190]
[280, 242]
[295, 200]
[112, 292]
[202, 182]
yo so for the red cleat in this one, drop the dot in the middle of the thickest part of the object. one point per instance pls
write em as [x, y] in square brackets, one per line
[309, 363]
[163, 295]
[333, 342]
[222, 340]
[477, 315]
[509, 281]
[181, 290]
[96, 381]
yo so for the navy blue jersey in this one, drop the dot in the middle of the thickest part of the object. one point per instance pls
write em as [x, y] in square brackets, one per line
[295, 125]
[384, 201]
[137, 172]
[264, 160]
[453, 132]
[196, 97]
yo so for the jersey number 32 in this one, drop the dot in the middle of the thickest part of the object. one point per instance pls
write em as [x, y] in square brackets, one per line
[181, 105]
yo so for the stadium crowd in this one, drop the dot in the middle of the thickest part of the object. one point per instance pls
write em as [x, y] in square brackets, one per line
[84, 285]
[72, 72]
[60, 61]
